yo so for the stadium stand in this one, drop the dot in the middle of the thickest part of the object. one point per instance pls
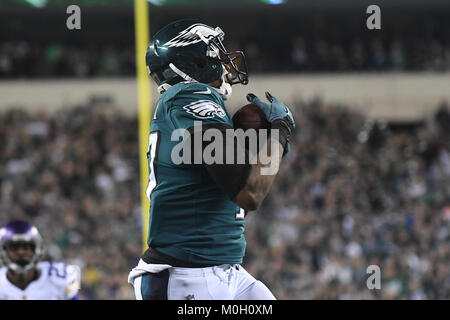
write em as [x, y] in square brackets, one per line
[348, 196]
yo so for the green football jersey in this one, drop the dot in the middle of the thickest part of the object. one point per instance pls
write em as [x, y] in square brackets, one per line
[191, 218]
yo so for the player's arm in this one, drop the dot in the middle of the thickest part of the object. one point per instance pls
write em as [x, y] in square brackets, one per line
[257, 185]
[248, 184]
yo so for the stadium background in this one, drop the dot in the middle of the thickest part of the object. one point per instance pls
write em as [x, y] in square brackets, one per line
[366, 182]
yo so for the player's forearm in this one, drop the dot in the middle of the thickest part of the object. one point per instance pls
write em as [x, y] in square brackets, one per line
[261, 177]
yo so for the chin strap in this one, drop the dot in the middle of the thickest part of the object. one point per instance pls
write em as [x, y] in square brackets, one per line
[165, 86]
[225, 90]
[181, 73]
[14, 267]
[19, 269]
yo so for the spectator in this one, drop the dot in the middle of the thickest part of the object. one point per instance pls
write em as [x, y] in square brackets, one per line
[28, 59]
[397, 58]
[339, 205]
[299, 54]
[379, 58]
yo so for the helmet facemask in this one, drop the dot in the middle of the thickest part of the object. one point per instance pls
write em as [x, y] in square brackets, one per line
[234, 61]
[14, 234]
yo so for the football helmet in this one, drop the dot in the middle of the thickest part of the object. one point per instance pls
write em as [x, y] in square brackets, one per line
[188, 50]
[20, 232]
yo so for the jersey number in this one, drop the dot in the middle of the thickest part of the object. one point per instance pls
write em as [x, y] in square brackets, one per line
[152, 152]
[240, 215]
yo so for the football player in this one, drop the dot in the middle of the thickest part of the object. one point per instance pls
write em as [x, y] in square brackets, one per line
[23, 276]
[196, 230]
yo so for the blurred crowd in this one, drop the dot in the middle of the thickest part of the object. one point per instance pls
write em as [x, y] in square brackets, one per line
[74, 174]
[354, 193]
[307, 54]
[351, 193]
[25, 59]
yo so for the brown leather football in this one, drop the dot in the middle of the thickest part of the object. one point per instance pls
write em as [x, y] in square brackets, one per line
[250, 116]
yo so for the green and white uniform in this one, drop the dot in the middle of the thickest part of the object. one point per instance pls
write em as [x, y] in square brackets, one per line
[191, 218]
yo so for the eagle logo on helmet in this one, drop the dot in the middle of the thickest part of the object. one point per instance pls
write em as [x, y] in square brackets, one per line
[194, 34]
[204, 109]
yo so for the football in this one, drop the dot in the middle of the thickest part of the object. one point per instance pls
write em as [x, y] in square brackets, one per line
[250, 116]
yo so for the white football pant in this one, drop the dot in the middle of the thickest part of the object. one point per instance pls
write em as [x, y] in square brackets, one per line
[224, 282]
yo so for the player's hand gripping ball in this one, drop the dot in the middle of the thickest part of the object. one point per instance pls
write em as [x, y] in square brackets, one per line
[278, 115]
[250, 116]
